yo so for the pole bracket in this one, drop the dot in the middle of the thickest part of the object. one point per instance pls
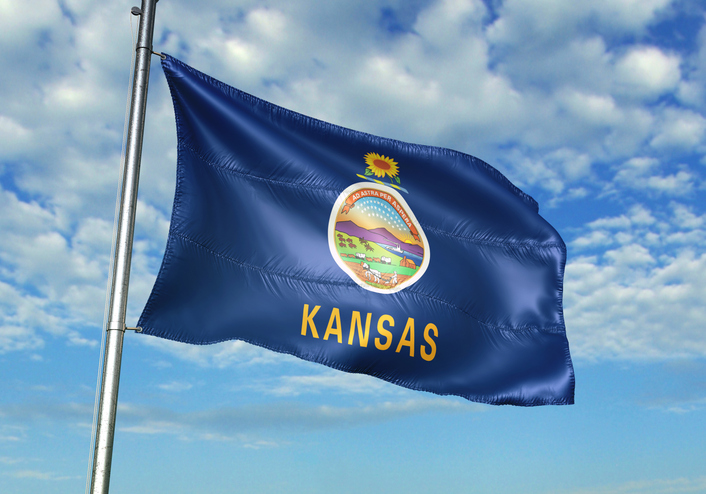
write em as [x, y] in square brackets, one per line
[121, 327]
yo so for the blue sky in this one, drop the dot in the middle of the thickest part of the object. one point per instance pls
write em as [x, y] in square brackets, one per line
[596, 109]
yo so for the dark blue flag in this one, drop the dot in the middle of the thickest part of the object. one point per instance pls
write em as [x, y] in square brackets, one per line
[418, 265]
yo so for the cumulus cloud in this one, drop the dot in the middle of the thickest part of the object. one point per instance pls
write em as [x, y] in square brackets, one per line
[635, 285]
[52, 279]
[646, 71]
[679, 128]
[18, 23]
[13, 136]
[13, 338]
[645, 174]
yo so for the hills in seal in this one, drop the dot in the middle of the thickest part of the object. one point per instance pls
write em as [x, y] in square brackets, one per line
[380, 236]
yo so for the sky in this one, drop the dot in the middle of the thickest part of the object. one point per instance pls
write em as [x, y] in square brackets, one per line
[596, 109]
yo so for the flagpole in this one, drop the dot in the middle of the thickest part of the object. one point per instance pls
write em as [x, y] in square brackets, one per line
[105, 430]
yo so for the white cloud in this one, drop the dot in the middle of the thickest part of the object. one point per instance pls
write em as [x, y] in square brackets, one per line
[684, 218]
[557, 19]
[175, 386]
[640, 215]
[621, 310]
[644, 173]
[14, 338]
[13, 136]
[53, 276]
[536, 172]
[26, 319]
[221, 355]
[75, 94]
[445, 21]
[594, 109]
[593, 239]
[641, 297]
[680, 128]
[629, 256]
[18, 23]
[629, 15]
[646, 71]
[386, 77]
[614, 222]
[679, 183]
[268, 23]
[328, 382]
[551, 171]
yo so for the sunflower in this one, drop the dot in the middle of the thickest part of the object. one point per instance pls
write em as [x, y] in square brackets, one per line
[380, 166]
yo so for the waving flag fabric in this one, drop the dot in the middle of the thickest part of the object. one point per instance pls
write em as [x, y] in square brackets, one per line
[419, 265]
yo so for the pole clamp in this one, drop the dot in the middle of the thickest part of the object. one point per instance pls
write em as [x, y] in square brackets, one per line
[113, 325]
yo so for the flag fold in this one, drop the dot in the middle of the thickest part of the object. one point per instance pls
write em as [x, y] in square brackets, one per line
[418, 265]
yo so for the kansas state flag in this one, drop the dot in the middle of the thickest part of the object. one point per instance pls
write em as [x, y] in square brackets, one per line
[418, 265]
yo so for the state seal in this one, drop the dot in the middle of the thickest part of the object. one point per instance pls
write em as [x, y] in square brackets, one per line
[373, 234]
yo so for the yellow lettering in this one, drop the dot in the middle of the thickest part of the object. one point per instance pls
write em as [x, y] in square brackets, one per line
[330, 329]
[408, 332]
[423, 349]
[385, 338]
[356, 322]
[308, 320]
[384, 332]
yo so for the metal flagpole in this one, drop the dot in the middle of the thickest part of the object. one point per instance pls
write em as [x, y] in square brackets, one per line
[105, 431]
